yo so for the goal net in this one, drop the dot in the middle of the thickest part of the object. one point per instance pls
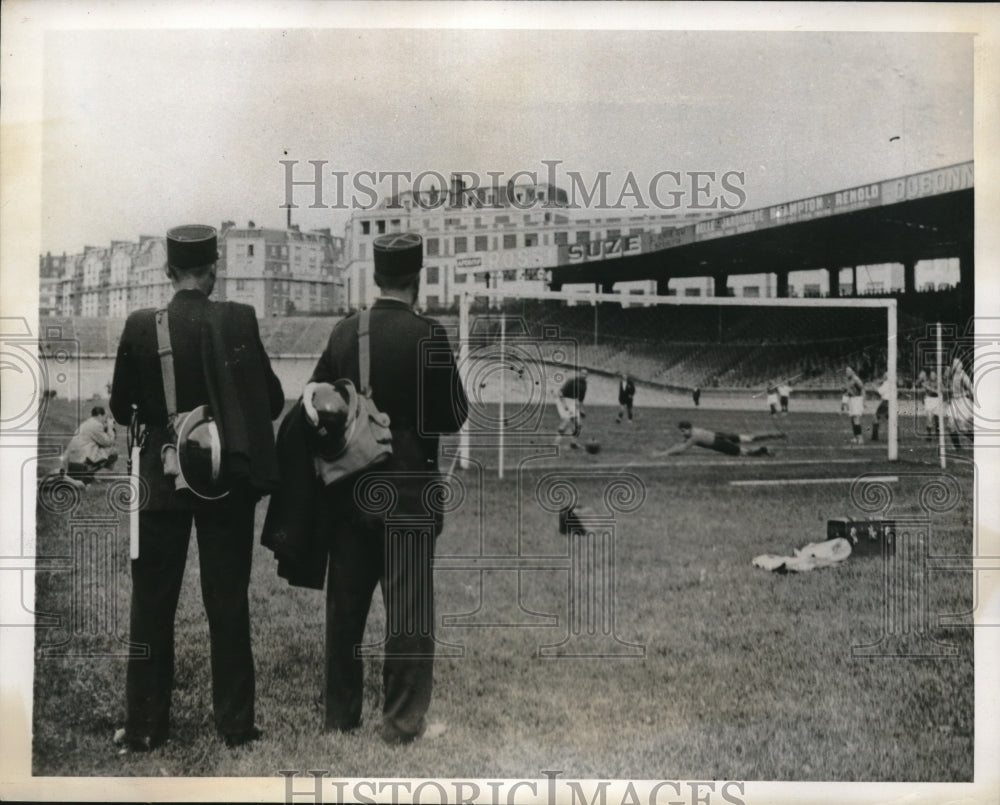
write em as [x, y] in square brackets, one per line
[680, 352]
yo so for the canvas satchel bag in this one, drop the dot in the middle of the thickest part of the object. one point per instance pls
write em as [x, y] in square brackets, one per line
[368, 441]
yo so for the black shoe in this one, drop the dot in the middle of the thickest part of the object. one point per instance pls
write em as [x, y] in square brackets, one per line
[137, 743]
[236, 739]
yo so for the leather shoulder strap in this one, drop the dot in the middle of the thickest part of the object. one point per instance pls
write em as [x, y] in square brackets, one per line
[364, 354]
[166, 363]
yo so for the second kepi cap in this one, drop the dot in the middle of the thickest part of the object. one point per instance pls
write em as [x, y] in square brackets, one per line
[192, 246]
[399, 254]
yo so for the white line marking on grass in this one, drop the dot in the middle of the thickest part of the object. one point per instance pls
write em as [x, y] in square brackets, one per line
[885, 479]
[734, 462]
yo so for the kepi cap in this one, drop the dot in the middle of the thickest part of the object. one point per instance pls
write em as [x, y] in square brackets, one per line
[192, 246]
[399, 254]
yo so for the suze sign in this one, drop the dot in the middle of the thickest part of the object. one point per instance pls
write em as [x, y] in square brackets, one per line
[620, 246]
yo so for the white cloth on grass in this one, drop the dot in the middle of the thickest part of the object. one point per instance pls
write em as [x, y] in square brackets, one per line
[809, 557]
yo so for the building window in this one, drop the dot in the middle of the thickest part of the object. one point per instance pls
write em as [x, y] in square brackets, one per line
[362, 251]
[366, 227]
[460, 279]
[481, 243]
[395, 224]
[432, 246]
[380, 226]
[433, 302]
[635, 230]
[562, 238]
[433, 273]
[692, 291]
[509, 275]
[510, 241]
[614, 233]
[531, 239]
[461, 245]
[583, 236]
[249, 250]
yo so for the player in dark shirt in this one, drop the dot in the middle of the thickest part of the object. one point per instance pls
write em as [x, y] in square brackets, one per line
[626, 394]
[732, 444]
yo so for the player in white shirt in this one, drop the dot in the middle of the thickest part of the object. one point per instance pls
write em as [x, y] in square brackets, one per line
[928, 384]
[784, 392]
[855, 391]
[960, 406]
[772, 397]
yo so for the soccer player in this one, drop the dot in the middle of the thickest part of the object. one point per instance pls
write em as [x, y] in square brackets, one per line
[732, 444]
[626, 393]
[855, 391]
[569, 404]
[772, 397]
[882, 412]
[960, 406]
[784, 392]
[927, 383]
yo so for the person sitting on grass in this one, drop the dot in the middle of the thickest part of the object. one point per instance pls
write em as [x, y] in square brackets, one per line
[91, 448]
[732, 444]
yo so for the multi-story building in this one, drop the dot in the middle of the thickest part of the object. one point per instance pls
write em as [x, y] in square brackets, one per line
[278, 272]
[492, 237]
[50, 272]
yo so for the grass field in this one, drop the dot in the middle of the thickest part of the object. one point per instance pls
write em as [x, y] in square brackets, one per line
[741, 674]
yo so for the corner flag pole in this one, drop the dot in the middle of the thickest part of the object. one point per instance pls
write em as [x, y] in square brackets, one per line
[503, 386]
[940, 393]
[463, 363]
[891, 369]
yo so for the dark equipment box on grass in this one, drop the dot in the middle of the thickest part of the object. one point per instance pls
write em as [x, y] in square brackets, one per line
[866, 536]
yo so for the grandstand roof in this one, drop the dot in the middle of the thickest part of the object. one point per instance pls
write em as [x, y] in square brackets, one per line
[916, 217]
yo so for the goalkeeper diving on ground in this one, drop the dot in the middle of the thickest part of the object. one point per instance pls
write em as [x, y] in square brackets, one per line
[732, 444]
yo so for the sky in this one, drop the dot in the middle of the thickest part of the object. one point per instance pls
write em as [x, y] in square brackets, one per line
[145, 129]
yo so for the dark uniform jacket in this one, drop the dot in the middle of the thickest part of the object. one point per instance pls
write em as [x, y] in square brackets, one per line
[413, 377]
[574, 389]
[626, 392]
[414, 380]
[218, 360]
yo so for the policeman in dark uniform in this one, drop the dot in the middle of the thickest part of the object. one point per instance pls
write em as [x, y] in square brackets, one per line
[415, 381]
[218, 359]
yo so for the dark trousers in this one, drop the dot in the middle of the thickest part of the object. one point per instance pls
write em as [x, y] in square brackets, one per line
[225, 543]
[400, 561]
[85, 472]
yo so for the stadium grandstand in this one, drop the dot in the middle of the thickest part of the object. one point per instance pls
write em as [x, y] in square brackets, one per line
[675, 347]
[709, 347]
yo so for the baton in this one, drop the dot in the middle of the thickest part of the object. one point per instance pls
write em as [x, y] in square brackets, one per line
[136, 440]
[451, 468]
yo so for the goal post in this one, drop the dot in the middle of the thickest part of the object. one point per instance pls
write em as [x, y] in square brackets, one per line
[499, 327]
